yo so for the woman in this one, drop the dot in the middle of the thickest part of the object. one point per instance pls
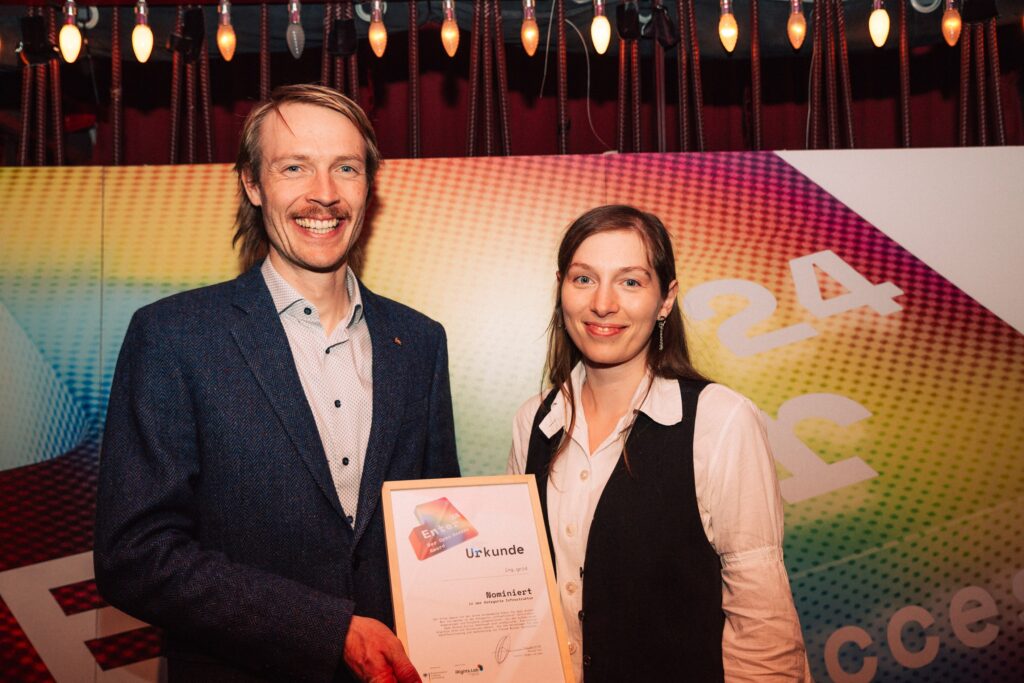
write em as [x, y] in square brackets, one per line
[658, 487]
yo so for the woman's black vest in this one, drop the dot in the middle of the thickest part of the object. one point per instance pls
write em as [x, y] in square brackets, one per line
[652, 583]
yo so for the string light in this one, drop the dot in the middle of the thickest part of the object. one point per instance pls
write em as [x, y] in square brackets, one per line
[225, 31]
[294, 36]
[142, 35]
[796, 27]
[530, 34]
[600, 29]
[378, 33]
[449, 29]
[728, 31]
[951, 24]
[878, 23]
[70, 38]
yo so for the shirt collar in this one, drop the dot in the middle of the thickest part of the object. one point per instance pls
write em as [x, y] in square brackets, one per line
[285, 296]
[662, 403]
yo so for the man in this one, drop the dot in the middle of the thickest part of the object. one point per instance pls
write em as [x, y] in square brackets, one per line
[252, 423]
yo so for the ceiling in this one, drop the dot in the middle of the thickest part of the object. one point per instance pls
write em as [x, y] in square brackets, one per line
[923, 24]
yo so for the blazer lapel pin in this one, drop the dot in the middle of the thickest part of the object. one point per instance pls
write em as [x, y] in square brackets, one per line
[398, 342]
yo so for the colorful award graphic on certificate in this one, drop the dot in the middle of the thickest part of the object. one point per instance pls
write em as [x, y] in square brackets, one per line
[472, 580]
[442, 527]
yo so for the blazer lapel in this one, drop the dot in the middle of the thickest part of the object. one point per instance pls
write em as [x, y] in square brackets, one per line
[264, 345]
[389, 379]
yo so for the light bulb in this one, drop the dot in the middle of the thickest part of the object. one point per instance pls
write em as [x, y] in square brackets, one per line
[530, 34]
[951, 24]
[449, 37]
[600, 29]
[225, 31]
[294, 36]
[449, 29]
[796, 27]
[226, 41]
[142, 35]
[878, 24]
[378, 34]
[70, 37]
[728, 31]
[70, 42]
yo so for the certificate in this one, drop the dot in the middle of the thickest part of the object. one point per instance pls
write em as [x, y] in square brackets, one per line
[472, 580]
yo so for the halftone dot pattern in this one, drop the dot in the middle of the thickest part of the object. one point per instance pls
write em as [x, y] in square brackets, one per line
[79, 597]
[471, 242]
[47, 509]
[50, 220]
[925, 569]
[19, 660]
[47, 512]
[473, 246]
[166, 229]
[126, 648]
[696, 199]
[50, 277]
[51, 216]
[169, 225]
[39, 417]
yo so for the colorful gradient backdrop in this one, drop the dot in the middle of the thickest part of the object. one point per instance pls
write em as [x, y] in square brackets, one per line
[932, 391]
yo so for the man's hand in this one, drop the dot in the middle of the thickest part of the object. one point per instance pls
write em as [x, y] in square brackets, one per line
[376, 655]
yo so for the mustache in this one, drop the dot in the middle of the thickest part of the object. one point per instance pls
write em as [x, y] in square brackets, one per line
[322, 213]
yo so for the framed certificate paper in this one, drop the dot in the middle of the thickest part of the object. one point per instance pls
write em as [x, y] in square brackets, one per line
[472, 580]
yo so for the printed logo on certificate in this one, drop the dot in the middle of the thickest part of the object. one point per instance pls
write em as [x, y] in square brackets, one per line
[472, 580]
[441, 527]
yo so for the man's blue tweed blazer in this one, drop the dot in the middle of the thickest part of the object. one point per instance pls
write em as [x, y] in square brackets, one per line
[217, 518]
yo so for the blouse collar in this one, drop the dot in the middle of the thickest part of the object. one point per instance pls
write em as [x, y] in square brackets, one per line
[662, 403]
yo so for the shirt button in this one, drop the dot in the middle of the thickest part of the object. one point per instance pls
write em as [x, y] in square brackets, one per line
[571, 587]
[570, 529]
[327, 351]
[580, 615]
[307, 310]
[348, 518]
[344, 461]
[573, 647]
[337, 403]
[584, 475]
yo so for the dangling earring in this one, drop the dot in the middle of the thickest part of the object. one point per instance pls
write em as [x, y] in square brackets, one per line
[661, 333]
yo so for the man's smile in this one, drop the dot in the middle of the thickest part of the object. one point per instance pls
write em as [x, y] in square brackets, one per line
[318, 226]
